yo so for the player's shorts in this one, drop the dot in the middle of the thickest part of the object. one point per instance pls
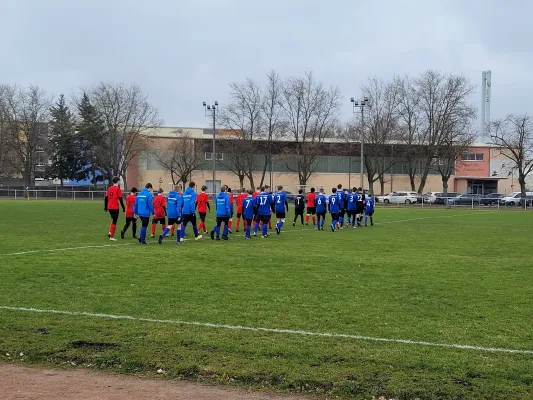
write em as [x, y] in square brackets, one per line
[311, 210]
[299, 211]
[369, 213]
[158, 221]
[222, 219]
[145, 221]
[280, 214]
[257, 218]
[334, 216]
[172, 221]
[202, 216]
[114, 214]
[264, 218]
[189, 218]
[351, 213]
[239, 214]
[342, 212]
[248, 221]
[131, 220]
[360, 210]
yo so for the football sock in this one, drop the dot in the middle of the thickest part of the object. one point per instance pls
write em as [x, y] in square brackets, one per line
[153, 229]
[265, 229]
[230, 223]
[366, 219]
[256, 227]
[195, 230]
[247, 231]
[112, 229]
[371, 220]
[163, 227]
[143, 234]
[318, 225]
[314, 220]
[200, 226]
[341, 220]
[172, 229]
[245, 224]
[226, 229]
[269, 224]
[166, 231]
[238, 223]
[307, 218]
[217, 231]
[182, 233]
[134, 229]
[323, 222]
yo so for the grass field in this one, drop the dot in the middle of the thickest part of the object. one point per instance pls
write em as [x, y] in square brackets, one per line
[454, 277]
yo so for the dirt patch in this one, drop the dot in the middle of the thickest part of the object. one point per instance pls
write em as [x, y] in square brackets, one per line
[25, 383]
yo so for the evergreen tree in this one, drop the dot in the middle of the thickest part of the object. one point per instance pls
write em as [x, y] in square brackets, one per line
[90, 133]
[64, 144]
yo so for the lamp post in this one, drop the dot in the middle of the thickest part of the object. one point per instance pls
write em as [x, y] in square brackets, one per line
[211, 111]
[361, 104]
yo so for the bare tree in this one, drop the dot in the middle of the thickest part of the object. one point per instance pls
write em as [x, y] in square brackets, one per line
[127, 116]
[310, 112]
[180, 159]
[242, 119]
[443, 101]
[272, 118]
[410, 121]
[381, 127]
[28, 111]
[514, 137]
[5, 136]
[457, 137]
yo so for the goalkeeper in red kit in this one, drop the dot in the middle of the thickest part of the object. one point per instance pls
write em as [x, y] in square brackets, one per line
[113, 198]
[160, 211]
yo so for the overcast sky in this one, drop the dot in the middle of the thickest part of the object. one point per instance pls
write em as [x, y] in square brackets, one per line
[182, 52]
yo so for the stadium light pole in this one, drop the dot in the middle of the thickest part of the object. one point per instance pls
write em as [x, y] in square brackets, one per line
[211, 111]
[361, 104]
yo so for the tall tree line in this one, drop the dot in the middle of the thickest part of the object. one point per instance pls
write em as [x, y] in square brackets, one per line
[91, 137]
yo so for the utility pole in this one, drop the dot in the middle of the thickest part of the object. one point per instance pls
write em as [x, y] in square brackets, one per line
[361, 104]
[211, 111]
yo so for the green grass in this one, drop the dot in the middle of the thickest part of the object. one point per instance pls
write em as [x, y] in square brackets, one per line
[446, 276]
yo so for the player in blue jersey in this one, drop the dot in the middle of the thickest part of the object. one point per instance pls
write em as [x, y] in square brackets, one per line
[281, 208]
[342, 205]
[321, 209]
[248, 211]
[174, 206]
[347, 216]
[223, 206]
[369, 210]
[351, 206]
[189, 211]
[264, 205]
[143, 208]
[333, 204]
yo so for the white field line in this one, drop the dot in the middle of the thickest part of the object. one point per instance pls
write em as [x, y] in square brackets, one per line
[64, 249]
[270, 330]
[284, 231]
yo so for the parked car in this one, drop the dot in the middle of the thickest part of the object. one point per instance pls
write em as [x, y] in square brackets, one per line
[440, 198]
[491, 199]
[465, 200]
[423, 199]
[432, 196]
[515, 199]
[400, 197]
[290, 195]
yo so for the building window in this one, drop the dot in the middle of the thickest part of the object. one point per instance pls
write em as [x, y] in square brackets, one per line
[209, 156]
[472, 157]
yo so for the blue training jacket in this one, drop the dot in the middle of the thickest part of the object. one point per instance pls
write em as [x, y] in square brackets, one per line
[369, 206]
[223, 205]
[342, 199]
[248, 207]
[281, 202]
[174, 205]
[189, 202]
[144, 205]
[334, 204]
[320, 204]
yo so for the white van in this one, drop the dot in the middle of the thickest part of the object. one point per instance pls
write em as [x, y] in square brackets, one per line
[514, 199]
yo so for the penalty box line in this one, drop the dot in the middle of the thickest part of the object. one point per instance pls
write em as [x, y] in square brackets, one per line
[272, 330]
[287, 231]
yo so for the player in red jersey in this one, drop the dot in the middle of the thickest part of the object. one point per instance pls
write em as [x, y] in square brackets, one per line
[130, 216]
[311, 207]
[113, 198]
[231, 201]
[257, 191]
[160, 211]
[240, 198]
[202, 205]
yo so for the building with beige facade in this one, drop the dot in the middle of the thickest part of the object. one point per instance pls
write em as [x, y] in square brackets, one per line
[482, 169]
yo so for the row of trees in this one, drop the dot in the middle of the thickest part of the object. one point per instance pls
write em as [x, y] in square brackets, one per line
[92, 137]
[424, 122]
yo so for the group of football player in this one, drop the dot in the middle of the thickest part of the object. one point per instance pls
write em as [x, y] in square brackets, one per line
[254, 207]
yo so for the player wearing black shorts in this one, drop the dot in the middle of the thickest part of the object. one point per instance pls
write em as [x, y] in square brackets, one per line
[299, 207]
